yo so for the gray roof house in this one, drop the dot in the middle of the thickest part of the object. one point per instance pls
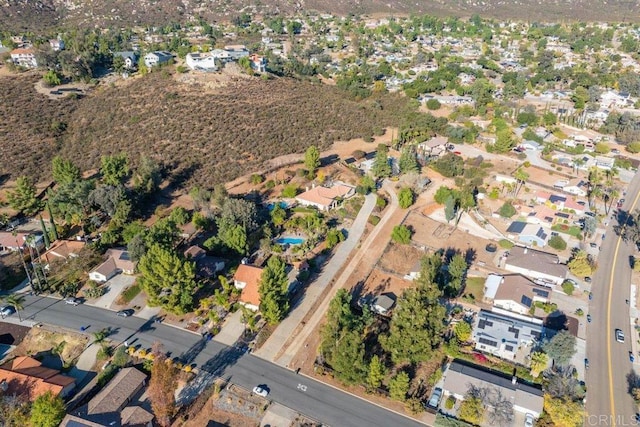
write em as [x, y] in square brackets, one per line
[130, 58]
[112, 406]
[153, 59]
[502, 333]
[459, 377]
[514, 292]
[543, 266]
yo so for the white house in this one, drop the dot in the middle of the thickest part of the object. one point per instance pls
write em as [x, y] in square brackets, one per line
[130, 59]
[535, 264]
[118, 261]
[514, 292]
[326, 198]
[237, 51]
[258, 63]
[24, 58]
[56, 44]
[201, 62]
[153, 59]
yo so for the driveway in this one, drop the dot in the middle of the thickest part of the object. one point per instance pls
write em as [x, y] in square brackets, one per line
[232, 329]
[116, 285]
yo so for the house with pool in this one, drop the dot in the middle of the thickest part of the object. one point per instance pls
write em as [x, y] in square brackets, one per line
[326, 198]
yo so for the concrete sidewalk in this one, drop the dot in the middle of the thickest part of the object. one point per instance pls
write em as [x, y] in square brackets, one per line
[272, 348]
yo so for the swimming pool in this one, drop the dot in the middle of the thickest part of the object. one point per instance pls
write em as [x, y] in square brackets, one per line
[290, 241]
[283, 205]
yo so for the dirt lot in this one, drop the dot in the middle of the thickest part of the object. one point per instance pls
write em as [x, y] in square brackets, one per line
[399, 258]
[67, 345]
[380, 282]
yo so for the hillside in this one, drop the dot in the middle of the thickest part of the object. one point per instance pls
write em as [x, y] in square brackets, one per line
[43, 15]
[204, 137]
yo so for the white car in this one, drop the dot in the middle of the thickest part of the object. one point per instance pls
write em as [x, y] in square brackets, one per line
[72, 301]
[528, 420]
[619, 335]
[261, 390]
[6, 310]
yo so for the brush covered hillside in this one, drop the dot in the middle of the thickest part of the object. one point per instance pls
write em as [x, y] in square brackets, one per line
[42, 15]
[201, 136]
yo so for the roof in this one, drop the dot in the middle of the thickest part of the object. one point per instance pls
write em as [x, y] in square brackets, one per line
[249, 275]
[516, 287]
[516, 227]
[22, 51]
[531, 259]
[26, 376]
[494, 329]
[135, 415]
[491, 285]
[122, 259]
[325, 196]
[194, 252]
[63, 249]
[126, 54]
[556, 198]
[107, 267]
[8, 240]
[436, 141]
[117, 393]
[459, 377]
[385, 301]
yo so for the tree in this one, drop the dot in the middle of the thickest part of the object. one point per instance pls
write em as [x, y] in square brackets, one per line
[167, 279]
[162, 387]
[51, 78]
[538, 363]
[53, 224]
[561, 347]
[278, 215]
[450, 208]
[564, 412]
[219, 195]
[312, 160]
[24, 197]
[366, 186]
[233, 237]
[521, 178]
[580, 265]
[381, 167]
[348, 358]
[71, 201]
[114, 169]
[17, 302]
[433, 104]
[417, 323]
[45, 233]
[401, 234]
[462, 330]
[507, 210]
[376, 372]
[449, 165]
[118, 64]
[147, 176]
[47, 410]
[471, 410]
[558, 243]
[408, 161]
[107, 197]
[240, 211]
[399, 386]
[466, 200]
[334, 236]
[64, 171]
[405, 197]
[273, 290]
[442, 194]
[456, 272]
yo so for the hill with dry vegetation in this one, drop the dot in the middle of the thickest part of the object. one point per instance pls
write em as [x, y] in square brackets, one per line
[42, 15]
[201, 135]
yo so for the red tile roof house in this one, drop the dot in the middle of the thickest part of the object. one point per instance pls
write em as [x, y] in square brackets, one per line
[247, 278]
[118, 261]
[326, 198]
[9, 242]
[62, 250]
[25, 376]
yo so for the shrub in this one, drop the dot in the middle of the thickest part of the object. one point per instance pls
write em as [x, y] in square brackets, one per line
[374, 220]
[405, 198]
[507, 210]
[568, 287]
[270, 184]
[256, 179]
[290, 191]
[401, 234]
[51, 78]
[433, 104]
[558, 243]
[130, 293]
[358, 154]
[633, 147]
[450, 402]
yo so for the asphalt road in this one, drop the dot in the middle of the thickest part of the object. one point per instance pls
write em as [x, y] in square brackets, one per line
[303, 394]
[608, 400]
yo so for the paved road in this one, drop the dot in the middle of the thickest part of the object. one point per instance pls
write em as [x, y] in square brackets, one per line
[319, 401]
[609, 402]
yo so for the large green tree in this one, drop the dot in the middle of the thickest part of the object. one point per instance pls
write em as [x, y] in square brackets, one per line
[114, 169]
[376, 372]
[399, 386]
[24, 197]
[273, 290]
[167, 279]
[381, 167]
[408, 161]
[561, 347]
[47, 410]
[64, 171]
[312, 160]
[147, 176]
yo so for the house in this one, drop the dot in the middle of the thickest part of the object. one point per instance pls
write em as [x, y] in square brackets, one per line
[220, 54]
[236, 51]
[247, 278]
[25, 376]
[540, 215]
[113, 405]
[130, 59]
[434, 146]
[21, 240]
[535, 264]
[458, 377]
[118, 261]
[56, 44]
[505, 179]
[514, 292]
[258, 63]
[530, 234]
[206, 266]
[502, 333]
[24, 58]
[201, 62]
[326, 198]
[382, 304]
[575, 190]
[530, 145]
[153, 59]
[62, 250]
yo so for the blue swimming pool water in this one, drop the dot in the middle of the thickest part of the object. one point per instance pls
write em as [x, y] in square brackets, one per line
[283, 205]
[290, 240]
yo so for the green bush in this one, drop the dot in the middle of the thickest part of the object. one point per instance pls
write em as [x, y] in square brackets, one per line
[433, 104]
[405, 198]
[558, 243]
[450, 402]
[401, 234]
[374, 220]
[505, 244]
[290, 191]
[568, 287]
[130, 293]
[507, 210]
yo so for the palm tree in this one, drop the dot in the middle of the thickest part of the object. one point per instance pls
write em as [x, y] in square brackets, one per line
[17, 301]
[521, 177]
[101, 336]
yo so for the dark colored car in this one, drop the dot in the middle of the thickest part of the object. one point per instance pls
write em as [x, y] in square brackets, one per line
[124, 313]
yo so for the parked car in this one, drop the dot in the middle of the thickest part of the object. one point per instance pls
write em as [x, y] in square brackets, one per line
[587, 279]
[631, 358]
[528, 420]
[72, 301]
[590, 295]
[124, 313]
[434, 401]
[261, 390]
[589, 318]
[6, 310]
[619, 335]
[586, 363]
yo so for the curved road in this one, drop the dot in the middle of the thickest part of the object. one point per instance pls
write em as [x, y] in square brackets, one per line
[609, 402]
[305, 395]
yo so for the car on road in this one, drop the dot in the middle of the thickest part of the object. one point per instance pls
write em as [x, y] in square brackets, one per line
[6, 310]
[457, 153]
[589, 318]
[631, 358]
[72, 301]
[586, 363]
[619, 335]
[529, 420]
[434, 401]
[587, 279]
[261, 390]
[124, 313]
[593, 244]
[590, 295]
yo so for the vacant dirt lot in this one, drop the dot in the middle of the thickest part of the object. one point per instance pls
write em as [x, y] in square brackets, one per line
[400, 258]
[67, 345]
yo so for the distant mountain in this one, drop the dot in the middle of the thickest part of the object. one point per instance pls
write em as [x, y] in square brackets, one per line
[40, 15]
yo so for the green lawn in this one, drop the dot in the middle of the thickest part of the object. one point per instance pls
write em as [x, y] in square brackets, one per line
[130, 293]
[475, 287]
[571, 230]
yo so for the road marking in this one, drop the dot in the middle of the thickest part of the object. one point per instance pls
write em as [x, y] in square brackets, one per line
[615, 260]
[302, 387]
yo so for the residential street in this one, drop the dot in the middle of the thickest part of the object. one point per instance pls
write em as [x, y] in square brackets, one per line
[312, 398]
[607, 381]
